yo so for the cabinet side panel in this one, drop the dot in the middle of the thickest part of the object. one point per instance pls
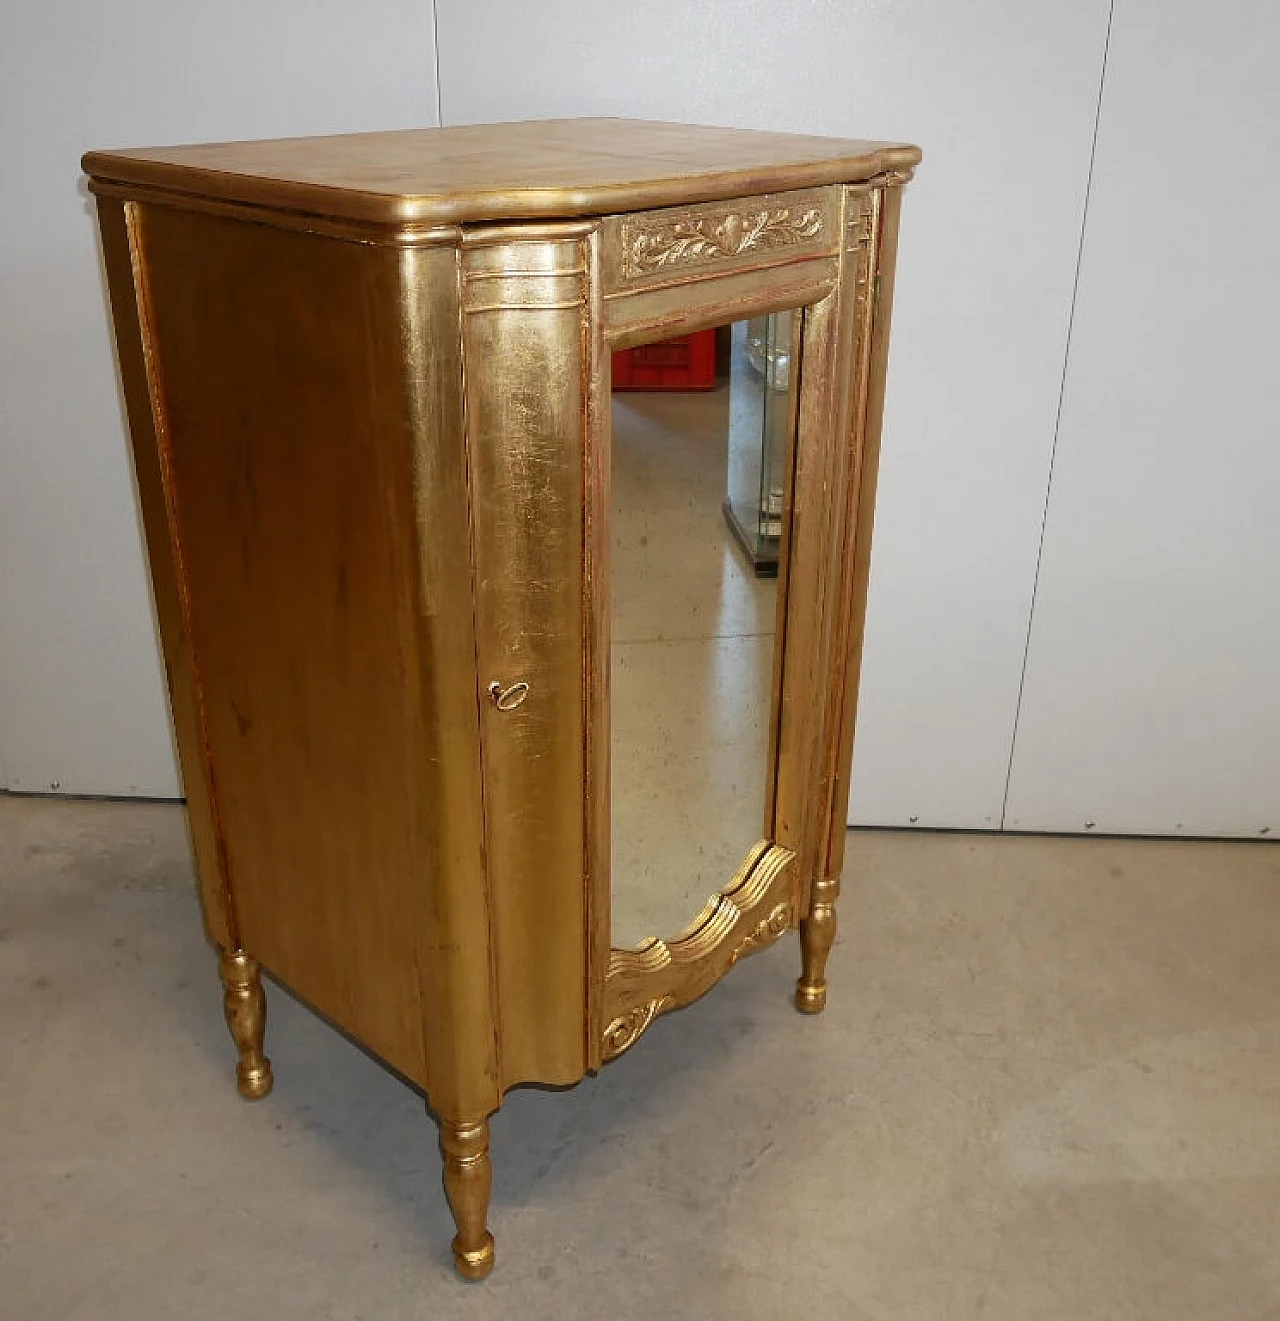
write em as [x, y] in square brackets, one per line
[528, 368]
[292, 453]
[806, 626]
[118, 226]
[877, 257]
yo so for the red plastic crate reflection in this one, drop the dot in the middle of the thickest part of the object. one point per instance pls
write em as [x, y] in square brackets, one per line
[687, 363]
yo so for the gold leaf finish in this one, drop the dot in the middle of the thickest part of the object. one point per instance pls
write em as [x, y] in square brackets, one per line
[768, 930]
[468, 1181]
[367, 387]
[528, 371]
[660, 975]
[817, 935]
[536, 170]
[625, 1029]
[245, 1008]
[688, 242]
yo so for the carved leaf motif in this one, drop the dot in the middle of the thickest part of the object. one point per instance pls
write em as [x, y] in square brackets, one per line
[623, 1031]
[729, 234]
[710, 238]
[658, 975]
[764, 933]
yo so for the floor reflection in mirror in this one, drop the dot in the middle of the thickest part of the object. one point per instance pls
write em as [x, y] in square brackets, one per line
[692, 654]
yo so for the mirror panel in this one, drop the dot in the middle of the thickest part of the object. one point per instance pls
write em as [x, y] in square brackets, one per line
[699, 501]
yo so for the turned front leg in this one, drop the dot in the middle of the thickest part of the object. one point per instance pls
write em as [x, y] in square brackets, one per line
[246, 1009]
[817, 935]
[468, 1179]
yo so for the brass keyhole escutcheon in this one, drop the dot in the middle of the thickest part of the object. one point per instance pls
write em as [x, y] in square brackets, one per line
[507, 699]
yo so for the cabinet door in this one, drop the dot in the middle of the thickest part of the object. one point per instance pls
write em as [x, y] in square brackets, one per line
[528, 372]
[543, 307]
[731, 699]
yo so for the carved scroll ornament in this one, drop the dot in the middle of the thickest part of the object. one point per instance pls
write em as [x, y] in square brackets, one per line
[694, 239]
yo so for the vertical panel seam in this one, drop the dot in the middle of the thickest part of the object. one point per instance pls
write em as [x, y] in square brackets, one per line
[435, 46]
[1057, 421]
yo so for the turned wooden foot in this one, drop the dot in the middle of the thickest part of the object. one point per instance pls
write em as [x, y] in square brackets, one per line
[817, 935]
[246, 1009]
[467, 1181]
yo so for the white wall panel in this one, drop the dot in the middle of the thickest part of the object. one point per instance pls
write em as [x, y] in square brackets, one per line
[1002, 95]
[81, 704]
[1151, 692]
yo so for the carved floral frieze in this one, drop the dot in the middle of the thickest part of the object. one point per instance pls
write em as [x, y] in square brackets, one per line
[692, 240]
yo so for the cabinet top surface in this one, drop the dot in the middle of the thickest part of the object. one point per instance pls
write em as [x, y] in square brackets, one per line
[538, 169]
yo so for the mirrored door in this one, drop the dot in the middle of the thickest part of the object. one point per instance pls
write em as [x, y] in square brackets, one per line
[700, 498]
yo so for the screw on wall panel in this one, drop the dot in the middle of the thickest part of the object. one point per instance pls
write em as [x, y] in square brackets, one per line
[913, 819]
[1266, 830]
[55, 784]
[1089, 825]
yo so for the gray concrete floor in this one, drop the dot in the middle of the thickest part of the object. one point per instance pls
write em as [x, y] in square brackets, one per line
[1047, 1085]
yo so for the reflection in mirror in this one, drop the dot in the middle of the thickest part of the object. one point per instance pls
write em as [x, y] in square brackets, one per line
[699, 494]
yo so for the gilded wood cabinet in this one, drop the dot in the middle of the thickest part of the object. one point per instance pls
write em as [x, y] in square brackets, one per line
[367, 385]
